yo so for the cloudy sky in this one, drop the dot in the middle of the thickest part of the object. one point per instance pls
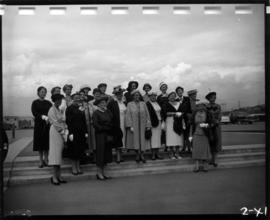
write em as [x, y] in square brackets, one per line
[222, 53]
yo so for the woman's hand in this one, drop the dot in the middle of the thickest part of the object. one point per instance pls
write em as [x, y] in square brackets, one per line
[163, 126]
[86, 135]
[44, 117]
[178, 114]
[71, 137]
[131, 129]
[148, 128]
[190, 139]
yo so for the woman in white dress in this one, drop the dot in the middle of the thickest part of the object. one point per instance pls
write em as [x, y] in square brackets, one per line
[173, 125]
[154, 111]
[58, 135]
[118, 108]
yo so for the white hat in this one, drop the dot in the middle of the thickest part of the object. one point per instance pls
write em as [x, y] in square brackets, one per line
[162, 84]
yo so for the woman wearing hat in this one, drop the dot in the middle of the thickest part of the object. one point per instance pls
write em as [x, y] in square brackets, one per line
[200, 137]
[147, 88]
[118, 110]
[162, 99]
[137, 122]
[132, 85]
[155, 117]
[40, 108]
[215, 111]
[86, 89]
[174, 125]
[102, 119]
[57, 137]
[67, 89]
[76, 122]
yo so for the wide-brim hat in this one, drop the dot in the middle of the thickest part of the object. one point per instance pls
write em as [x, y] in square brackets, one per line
[130, 82]
[102, 85]
[118, 89]
[147, 84]
[208, 96]
[67, 86]
[152, 93]
[191, 92]
[100, 99]
[162, 84]
[85, 87]
[135, 91]
[57, 97]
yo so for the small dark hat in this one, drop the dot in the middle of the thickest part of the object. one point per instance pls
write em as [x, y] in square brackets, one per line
[96, 90]
[147, 84]
[54, 88]
[130, 82]
[100, 99]
[76, 93]
[179, 87]
[117, 90]
[56, 97]
[102, 84]
[173, 92]
[208, 96]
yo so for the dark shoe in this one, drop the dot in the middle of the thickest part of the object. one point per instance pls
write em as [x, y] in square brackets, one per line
[107, 177]
[61, 181]
[118, 161]
[100, 178]
[204, 170]
[137, 158]
[54, 183]
[75, 174]
[41, 166]
[80, 172]
[159, 157]
[153, 158]
[196, 170]
[215, 164]
[143, 159]
[45, 164]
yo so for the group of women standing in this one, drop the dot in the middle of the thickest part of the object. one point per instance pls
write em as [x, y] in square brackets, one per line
[128, 120]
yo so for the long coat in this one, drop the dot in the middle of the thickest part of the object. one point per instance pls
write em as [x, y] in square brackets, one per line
[215, 111]
[138, 117]
[41, 127]
[102, 121]
[116, 121]
[75, 119]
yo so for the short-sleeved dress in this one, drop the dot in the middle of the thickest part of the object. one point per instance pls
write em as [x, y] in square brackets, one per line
[41, 127]
[201, 147]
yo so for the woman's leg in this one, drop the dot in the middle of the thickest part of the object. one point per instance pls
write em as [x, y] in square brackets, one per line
[78, 167]
[40, 159]
[46, 155]
[55, 174]
[100, 172]
[196, 166]
[118, 156]
[153, 154]
[142, 157]
[137, 155]
[74, 167]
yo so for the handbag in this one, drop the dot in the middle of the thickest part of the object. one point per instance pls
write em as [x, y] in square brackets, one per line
[148, 134]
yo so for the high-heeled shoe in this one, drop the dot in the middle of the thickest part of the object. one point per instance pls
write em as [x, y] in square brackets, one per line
[137, 159]
[80, 172]
[143, 159]
[196, 170]
[74, 174]
[45, 164]
[61, 181]
[107, 177]
[100, 178]
[54, 183]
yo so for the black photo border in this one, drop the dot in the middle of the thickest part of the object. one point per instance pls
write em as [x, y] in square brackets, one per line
[152, 2]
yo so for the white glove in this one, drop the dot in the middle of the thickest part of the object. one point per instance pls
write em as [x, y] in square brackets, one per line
[44, 117]
[203, 125]
[178, 114]
[163, 126]
[86, 135]
[131, 129]
[5, 146]
[190, 139]
[71, 137]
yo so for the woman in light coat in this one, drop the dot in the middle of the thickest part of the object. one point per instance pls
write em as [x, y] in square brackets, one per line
[137, 122]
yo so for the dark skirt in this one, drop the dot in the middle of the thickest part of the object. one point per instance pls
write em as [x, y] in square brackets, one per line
[215, 144]
[103, 150]
[201, 148]
[77, 147]
[41, 136]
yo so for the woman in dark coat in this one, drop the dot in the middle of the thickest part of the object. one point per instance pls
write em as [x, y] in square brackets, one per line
[4, 147]
[118, 109]
[40, 108]
[215, 111]
[102, 120]
[200, 136]
[75, 119]
[132, 85]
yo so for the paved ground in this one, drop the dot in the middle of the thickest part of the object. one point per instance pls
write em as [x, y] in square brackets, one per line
[216, 192]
